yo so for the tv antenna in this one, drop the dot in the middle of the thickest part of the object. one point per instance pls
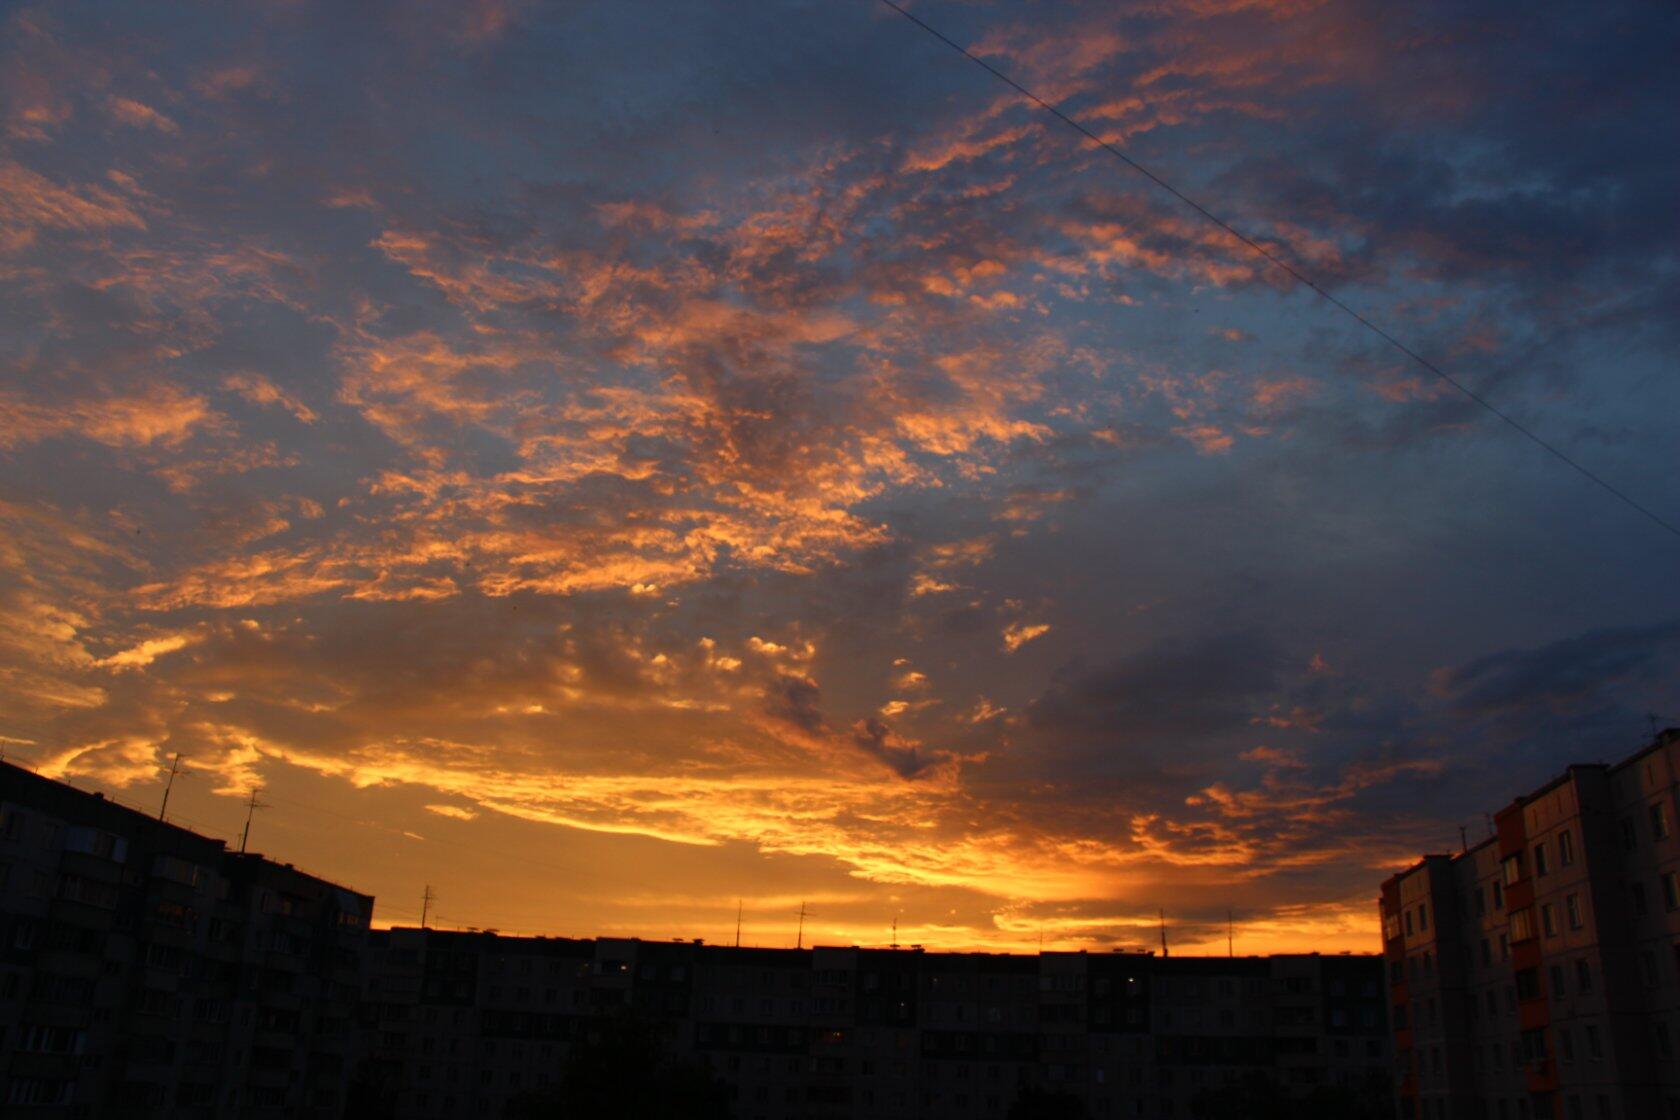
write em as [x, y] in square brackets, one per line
[251, 807]
[169, 786]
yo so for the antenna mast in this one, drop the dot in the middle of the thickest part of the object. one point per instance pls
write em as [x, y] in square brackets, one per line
[738, 904]
[174, 769]
[425, 904]
[1163, 915]
[799, 943]
[251, 807]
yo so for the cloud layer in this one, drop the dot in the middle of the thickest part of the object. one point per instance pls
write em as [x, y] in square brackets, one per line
[753, 455]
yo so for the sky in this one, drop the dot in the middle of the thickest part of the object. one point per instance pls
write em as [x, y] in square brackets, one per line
[623, 465]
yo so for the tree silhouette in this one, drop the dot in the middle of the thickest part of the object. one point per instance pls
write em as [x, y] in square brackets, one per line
[1260, 1096]
[621, 1069]
[1041, 1104]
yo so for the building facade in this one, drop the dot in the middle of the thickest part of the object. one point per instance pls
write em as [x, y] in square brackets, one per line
[1536, 976]
[463, 1024]
[146, 971]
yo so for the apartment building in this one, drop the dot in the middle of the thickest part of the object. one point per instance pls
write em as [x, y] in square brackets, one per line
[463, 1024]
[1536, 975]
[146, 970]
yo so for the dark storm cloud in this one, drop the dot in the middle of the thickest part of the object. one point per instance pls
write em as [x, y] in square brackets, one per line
[1573, 674]
[1167, 695]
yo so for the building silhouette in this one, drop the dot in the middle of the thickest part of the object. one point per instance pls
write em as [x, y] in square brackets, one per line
[147, 971]
[463, 1024]
[1536, 975]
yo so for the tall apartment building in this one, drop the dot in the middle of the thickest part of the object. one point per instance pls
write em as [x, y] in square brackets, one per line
[1536, 976]
[147, 971]
[460, 1024]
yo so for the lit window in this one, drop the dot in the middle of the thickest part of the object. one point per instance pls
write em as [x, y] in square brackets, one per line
[1566, 848]
[1572, 908]
[1659, 820]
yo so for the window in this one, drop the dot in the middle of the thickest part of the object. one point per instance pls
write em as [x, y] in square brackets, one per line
[1566, 848]
[1513, 868]
[1540, 865]
[1498, 895]
[1572, 911]
[1548, 919]
[1528, 983]
[1671, 890]
[1583, 976]
[1659, 820]
[1556, 974]
[1595, 1049]
[1423, 915]
[1636, 893]
[1408, 923]
[1566, 1045]
[1522, 925]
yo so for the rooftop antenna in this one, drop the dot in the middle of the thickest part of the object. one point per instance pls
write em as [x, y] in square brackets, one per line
[251, 807]
[738, 904]
[1162, 911]
[895, 931]
[174, 769]
[1463, 840]
[425, 904]
[799, 943]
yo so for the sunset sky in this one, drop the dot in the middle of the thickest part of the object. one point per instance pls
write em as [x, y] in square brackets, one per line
[610, 460]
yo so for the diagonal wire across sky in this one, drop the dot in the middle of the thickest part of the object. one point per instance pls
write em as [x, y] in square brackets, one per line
[1297, 274]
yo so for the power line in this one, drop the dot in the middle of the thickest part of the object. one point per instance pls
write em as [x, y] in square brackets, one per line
[1517, 425]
